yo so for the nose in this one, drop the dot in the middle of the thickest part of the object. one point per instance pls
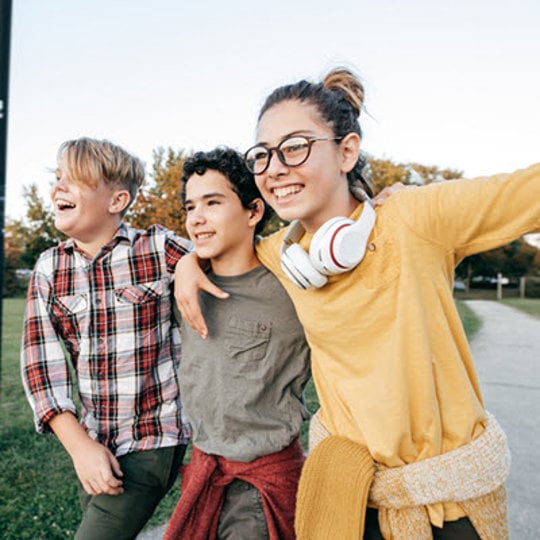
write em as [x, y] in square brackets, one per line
[195, 217]
[275, 166]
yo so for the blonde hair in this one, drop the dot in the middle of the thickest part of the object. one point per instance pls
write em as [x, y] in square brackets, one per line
[91, 161]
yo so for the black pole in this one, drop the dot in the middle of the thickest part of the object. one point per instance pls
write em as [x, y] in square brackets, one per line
[5, 37]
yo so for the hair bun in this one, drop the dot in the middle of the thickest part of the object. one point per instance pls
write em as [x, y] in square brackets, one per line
[345, 82]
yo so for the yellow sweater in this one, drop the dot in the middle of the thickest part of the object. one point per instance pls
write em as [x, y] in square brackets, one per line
[390, 359]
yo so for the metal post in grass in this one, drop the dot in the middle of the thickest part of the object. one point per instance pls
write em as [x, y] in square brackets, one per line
[5, 38]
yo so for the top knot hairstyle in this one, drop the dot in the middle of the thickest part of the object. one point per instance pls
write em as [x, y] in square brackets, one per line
[230, 164]
[339, 98]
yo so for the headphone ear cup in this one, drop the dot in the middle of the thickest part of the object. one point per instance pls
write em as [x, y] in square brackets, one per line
[296, 264]
[324, 251]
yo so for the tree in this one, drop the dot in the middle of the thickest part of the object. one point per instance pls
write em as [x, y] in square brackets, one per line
[159, 201]
[513, 260]
[36, 232]
[385, 172]
[27, 238]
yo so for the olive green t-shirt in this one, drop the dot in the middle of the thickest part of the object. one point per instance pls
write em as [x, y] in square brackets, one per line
[242, 387]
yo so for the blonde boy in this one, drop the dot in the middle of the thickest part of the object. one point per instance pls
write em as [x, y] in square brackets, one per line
[104, 295]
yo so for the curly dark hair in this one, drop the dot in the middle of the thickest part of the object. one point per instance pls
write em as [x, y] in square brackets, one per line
[231, 164]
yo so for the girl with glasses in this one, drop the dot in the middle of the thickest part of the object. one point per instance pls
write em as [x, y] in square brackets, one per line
[402, 420]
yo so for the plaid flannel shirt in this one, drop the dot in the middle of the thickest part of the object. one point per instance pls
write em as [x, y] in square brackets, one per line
[113, 314]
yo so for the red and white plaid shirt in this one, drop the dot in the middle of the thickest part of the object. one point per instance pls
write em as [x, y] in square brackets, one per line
[113, 314]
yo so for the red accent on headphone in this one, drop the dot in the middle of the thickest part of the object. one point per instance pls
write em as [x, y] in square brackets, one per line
[334, 260]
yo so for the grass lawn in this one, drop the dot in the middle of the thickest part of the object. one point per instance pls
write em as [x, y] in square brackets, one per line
[38, 495]
[528, 305]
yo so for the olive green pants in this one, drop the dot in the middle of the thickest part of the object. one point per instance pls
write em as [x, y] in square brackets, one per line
[148, 476]
[242, 516]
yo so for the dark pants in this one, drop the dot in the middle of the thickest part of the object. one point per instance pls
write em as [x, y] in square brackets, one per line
[148, 476]
[242, 516]
[461, 529]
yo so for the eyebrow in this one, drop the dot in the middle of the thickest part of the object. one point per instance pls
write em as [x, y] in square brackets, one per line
[207, 196]
[291, 134]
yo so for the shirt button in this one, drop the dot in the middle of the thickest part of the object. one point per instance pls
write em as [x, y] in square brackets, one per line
[371, 246]
[263, 327]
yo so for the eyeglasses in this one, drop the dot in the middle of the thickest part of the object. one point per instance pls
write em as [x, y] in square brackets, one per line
[292, 152]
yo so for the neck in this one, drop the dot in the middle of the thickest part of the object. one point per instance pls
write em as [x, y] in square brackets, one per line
[92, 246]
[343, 207]
[235, 264]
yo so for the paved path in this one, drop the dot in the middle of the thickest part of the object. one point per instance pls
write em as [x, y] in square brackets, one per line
[506, 351]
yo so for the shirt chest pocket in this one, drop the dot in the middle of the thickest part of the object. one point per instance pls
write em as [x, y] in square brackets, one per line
[73, 313]
[141, 304]
[247, 340]
[139, 293]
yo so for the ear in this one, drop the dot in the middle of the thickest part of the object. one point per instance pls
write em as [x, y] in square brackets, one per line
[350, 149]
[256, 211]
[119, 201]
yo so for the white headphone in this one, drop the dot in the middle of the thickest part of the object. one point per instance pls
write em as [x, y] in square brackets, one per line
[338, 246]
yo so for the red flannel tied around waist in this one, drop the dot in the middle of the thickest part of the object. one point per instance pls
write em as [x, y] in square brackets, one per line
[204, 479]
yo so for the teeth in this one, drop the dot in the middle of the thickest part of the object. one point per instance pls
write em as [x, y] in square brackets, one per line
[62, 204]
[284, 191]
[204, 235]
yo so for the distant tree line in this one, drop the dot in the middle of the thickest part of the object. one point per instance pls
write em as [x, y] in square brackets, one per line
[159, 202]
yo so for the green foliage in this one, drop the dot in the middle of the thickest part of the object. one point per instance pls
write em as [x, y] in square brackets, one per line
[532, 287]
[159, 200]
[37, 232]
[13, 285]
[385, 172]
[26, 239]
[515, 259]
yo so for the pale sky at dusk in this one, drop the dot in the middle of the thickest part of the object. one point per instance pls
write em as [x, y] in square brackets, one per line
[454, 84]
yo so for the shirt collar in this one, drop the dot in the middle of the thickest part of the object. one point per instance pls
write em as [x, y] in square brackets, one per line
[122, 233]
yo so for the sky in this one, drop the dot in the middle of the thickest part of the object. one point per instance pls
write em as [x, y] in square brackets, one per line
[453, 84]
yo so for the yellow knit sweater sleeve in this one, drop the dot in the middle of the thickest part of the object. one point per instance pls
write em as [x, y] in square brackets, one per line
[469, 216]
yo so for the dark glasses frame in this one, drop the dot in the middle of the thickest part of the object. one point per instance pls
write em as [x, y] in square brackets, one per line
[279, 153]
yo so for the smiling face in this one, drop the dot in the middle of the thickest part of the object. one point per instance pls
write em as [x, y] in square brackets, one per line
[317, 190]
[221, 229]
[89, 215]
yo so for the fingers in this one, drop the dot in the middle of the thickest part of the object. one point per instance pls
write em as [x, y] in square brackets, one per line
[387, 192]
[99, 471]
[116, 467]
